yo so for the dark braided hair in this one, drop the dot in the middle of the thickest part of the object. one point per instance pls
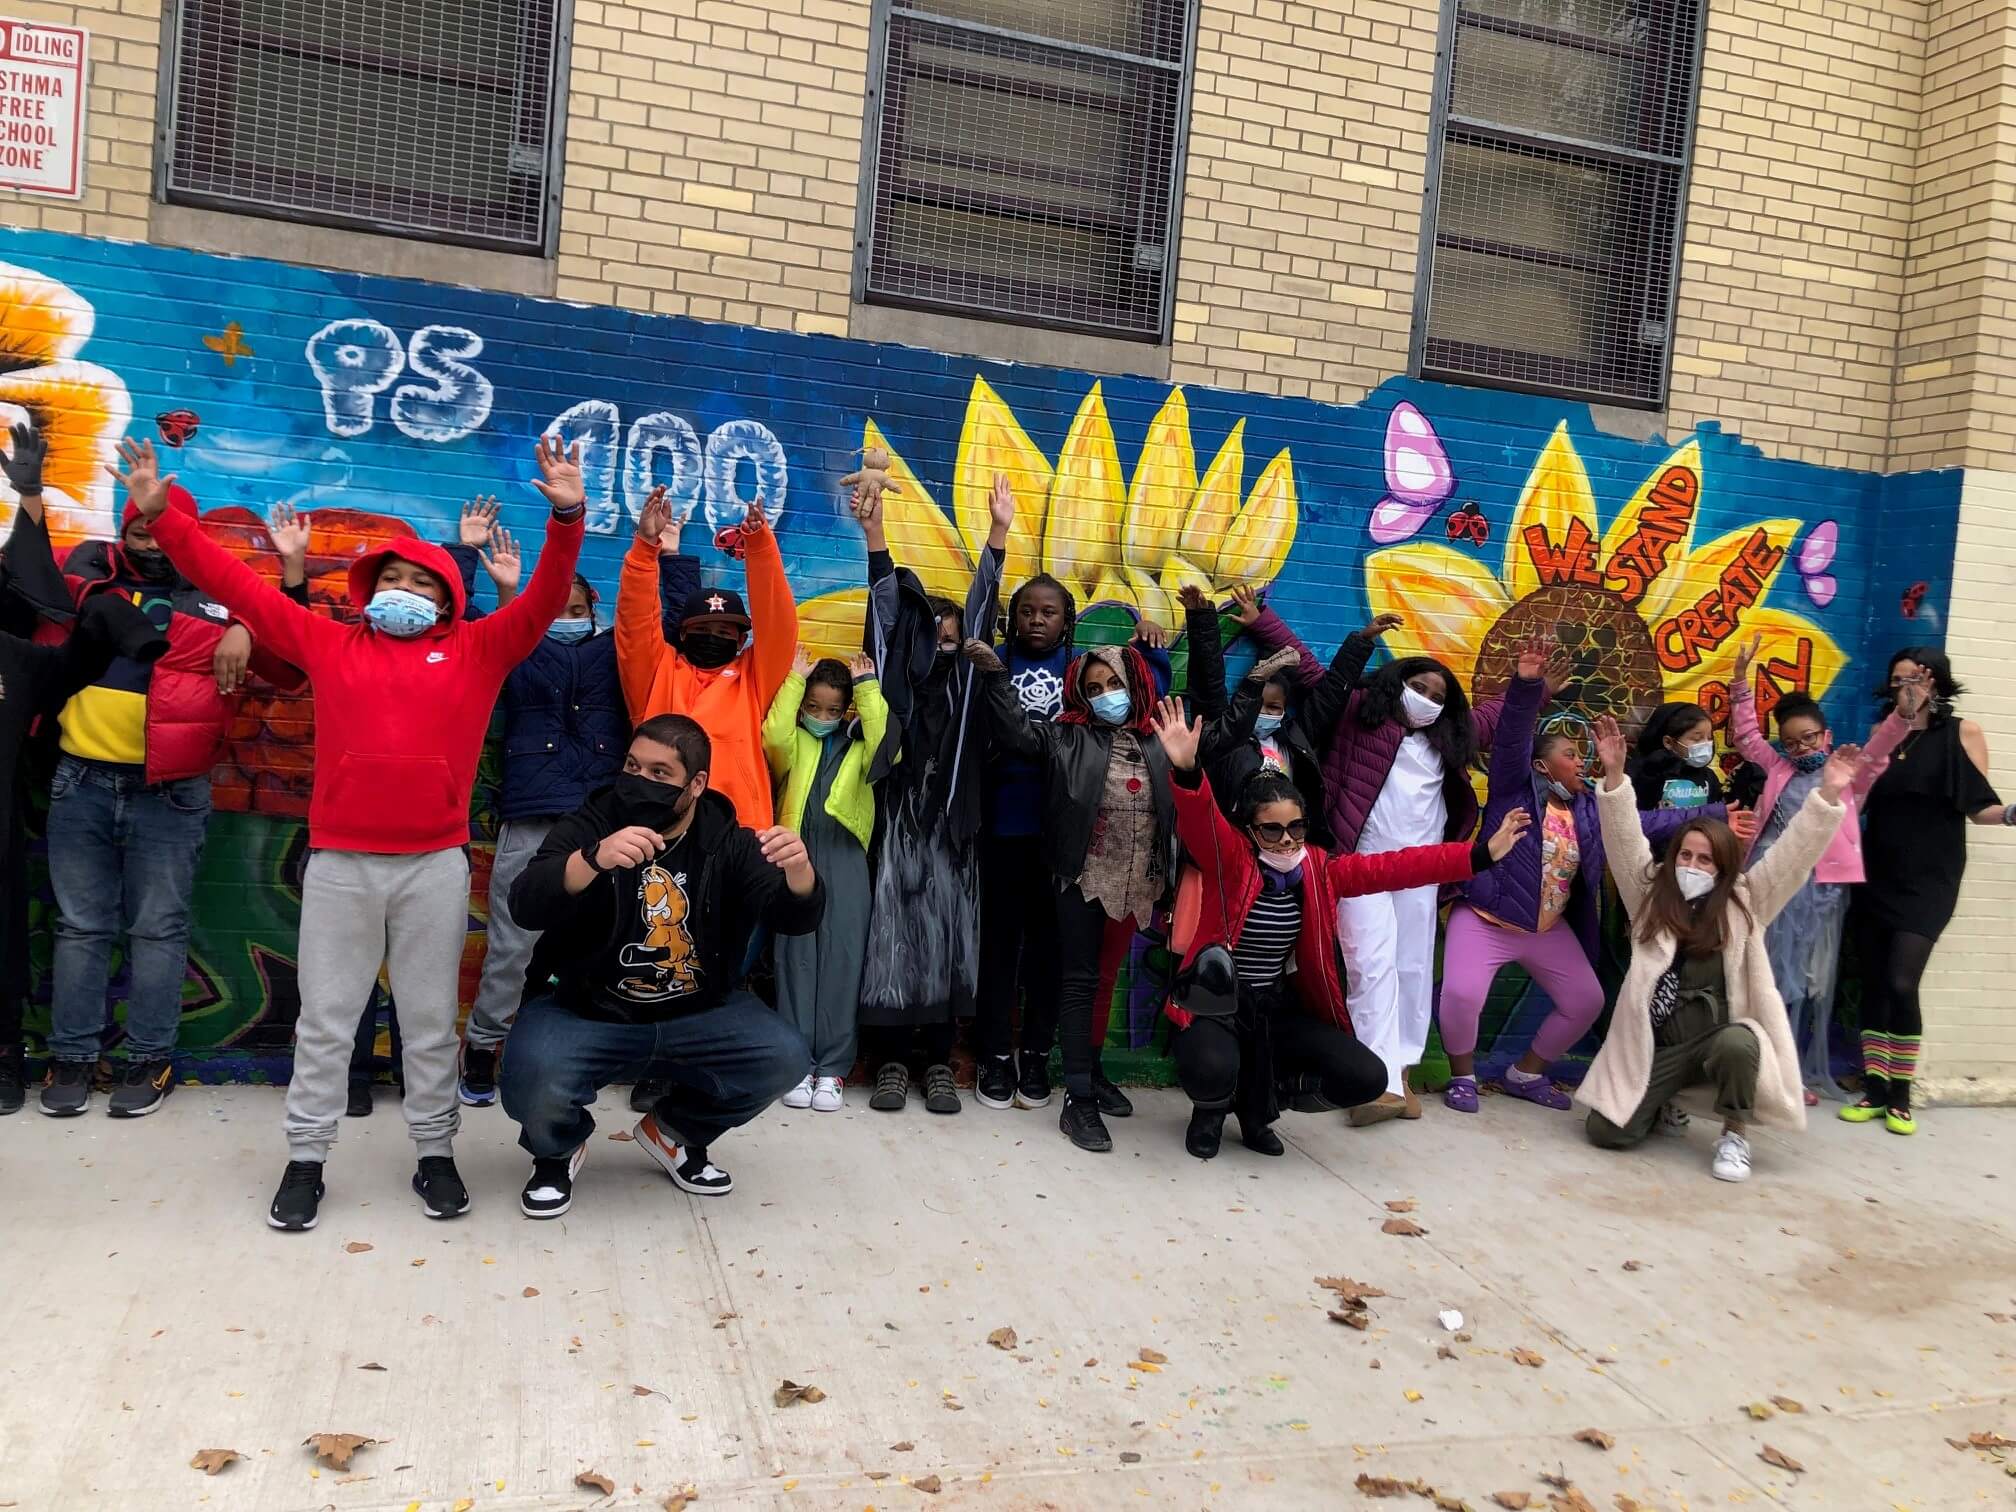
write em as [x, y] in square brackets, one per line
[1265, 787]
[1045, 580]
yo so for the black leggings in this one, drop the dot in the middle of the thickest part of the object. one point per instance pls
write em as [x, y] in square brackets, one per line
[1893, 964]
[1018, 948]
[1214, 1064]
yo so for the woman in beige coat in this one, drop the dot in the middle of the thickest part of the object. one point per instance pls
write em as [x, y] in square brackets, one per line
[1699, 1005]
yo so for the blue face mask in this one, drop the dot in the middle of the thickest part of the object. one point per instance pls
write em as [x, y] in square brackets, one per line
[1266, 724]
[818, 729]
[1810, 761]
[1112, 707]
[571, 632]
[400, 612]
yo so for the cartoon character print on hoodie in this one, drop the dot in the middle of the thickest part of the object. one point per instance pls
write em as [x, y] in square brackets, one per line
[658, 938]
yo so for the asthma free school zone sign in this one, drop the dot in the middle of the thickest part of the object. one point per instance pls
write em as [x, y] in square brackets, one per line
[42, 108]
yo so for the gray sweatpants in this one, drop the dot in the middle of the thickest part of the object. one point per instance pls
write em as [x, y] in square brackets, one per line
[508, 949]
[409, 913]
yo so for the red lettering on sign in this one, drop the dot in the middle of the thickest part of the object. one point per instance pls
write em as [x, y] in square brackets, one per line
[1669, 508]
[1684, 641]
[1574, 562]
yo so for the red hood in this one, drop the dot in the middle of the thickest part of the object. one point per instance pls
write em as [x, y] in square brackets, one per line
[1140, 686]
[364, 574]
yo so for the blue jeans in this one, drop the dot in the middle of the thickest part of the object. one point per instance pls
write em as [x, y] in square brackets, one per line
[725, 1064]
[122, 856]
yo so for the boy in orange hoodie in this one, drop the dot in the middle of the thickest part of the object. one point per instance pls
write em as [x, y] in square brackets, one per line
[711, 676]
[403, 700]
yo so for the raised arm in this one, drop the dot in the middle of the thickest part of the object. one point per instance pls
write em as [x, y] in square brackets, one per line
[1883, 740]
[1204, 683]
[1511, 764]
[510, 634]
[782, 720]
[1324, 705]
[1353, 875]
[1784, 868]
[773, 612]
[640, 638]
[1270, 633]
[869, 703]
[1624, 844]
[1743, 731]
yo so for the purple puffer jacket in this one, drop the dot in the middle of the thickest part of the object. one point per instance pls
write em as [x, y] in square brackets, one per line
[1510, 891]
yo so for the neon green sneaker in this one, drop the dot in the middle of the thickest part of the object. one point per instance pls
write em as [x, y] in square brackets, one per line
[1860, 1112]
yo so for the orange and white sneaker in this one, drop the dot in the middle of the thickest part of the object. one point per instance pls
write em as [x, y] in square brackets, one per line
[687, 1165]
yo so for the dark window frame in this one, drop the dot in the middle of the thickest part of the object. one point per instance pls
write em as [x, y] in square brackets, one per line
[1663, 151]
[288, 194]
[883, 279]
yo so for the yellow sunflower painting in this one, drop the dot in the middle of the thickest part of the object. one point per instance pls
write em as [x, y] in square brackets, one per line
[81, 408]
[1108, 536]
[1647, 615]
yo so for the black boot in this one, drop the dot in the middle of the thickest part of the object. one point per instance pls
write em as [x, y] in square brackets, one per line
[13, 1080]
[1206, 1132]
[1260, 1138]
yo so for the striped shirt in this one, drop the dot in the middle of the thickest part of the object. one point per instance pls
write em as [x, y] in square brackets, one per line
[1268, 940]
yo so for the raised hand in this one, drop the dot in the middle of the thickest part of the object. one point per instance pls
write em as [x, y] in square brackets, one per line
[1508, 832]
[1842, 768]
[860, 665]
[753, 518]
[23, 465]
[1001, 504]
[1283, 660]
[288, 528]
[632, 845]
[1179, 738]
[1558, 672]
[1382, 625]
[1532, 657]
[560, 474]
[1192, 597]
[982, 656]
[655, 518]
[1151, 633]
[479, 518]
[1745, 655]
[1246, 604]
[142, 478]
[801, 664]
[1610, 747]
[503, 561]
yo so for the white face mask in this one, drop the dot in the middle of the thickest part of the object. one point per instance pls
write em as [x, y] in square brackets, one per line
[1420, 710]
[1694, 885]
[1699, 753]
[1283, 861]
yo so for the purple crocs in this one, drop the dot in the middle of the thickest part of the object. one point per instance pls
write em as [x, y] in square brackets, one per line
[1539, 1090]
[1461, 1094]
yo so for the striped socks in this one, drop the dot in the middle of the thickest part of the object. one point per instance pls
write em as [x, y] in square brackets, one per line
[1892, 1060]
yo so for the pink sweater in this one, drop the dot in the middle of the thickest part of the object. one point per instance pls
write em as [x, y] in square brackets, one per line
[1842, 860]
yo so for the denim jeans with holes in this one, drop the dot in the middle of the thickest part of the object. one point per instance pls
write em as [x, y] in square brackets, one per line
[122, 859]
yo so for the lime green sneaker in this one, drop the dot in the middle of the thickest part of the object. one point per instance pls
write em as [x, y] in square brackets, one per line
[1859, 1112]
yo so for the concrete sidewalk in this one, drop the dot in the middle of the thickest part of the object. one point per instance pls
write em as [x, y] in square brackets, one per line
[149, 1313]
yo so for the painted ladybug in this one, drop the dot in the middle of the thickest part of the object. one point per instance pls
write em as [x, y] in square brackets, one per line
[1913, 597]
[176, 426]
[730, 542]
[1468, 520]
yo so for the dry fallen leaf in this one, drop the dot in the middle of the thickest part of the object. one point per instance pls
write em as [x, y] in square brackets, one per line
[1444, 1352]
[335, 1449]
[463, 1504]
[1152, 1356]
[1629, 1503]
[1786, 1404]
[530, 1291]
[1528, 1358]
[1353, 1292]
[1380, 1485]
[623, 1136]
[1002, 1338]
[1632, 1265]
[1357, 1320]
[1990, 1441]
[680, 1499]
[1761, 1411]
[357, 1247]
[791, 1392]
[930, 1485]
[1781, 1459]
[1129, 1457]
[1596, 1438]
[211, 1461]
[1404, 1206]
[903, 1448]
[1406, 1228]
[1513, 1501]
[1444, 1502]
[1412, 1396]
[1570, 1500]
[1558, 1482]
[598, 1481]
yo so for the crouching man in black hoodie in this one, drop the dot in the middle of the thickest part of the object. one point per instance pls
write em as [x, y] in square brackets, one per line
[647, 896]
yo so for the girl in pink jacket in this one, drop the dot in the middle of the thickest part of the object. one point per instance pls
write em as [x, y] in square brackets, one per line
[1804, 942]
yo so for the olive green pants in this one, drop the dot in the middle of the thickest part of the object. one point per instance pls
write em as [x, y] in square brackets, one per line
[1725, 1057]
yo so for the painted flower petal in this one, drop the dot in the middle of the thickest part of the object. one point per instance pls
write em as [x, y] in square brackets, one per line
[1260, 539]
[1217, 502]
[1088, 495]
[1817, 555]
[1557, 496]
[993, 442]
[831, 624]
[1180, 572]
[1165, 480]
[82, 410]
[1702, 570]
[1152, 600]
[1821, 588]
[42, 320]
[920, 537]
[1394, 520]
[1417, 466]
[1446, 600]
[1665, 509]
[1794, 649]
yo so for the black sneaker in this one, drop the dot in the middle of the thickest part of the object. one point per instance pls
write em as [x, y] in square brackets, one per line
[1081, 1122]
[644, 1096]
[994, 1081]
[1206, 1132]
[478, 1087]
[1261, 1139]
[439, 1185]
[67, 1092]
[143, 1087]
[360, 1100]
[13, 1081]
[1112, 1101]
[941, 1093]
[687, 1165]
[1032, 1084]
[892, 1088]
[300, 1195]
[549, 1190]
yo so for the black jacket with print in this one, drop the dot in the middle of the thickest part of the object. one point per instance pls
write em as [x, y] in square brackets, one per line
[736, 890]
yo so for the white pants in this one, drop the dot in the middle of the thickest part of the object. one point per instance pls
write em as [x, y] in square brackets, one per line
[1389, 953]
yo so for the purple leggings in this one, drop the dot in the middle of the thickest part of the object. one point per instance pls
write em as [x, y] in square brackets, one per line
[1471, 956]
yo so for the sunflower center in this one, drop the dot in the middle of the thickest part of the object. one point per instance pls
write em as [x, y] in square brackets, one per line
[1614, 669]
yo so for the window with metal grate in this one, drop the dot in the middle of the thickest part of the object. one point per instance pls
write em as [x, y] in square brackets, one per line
[1025, 159]
[1556, 195]
[433, 118]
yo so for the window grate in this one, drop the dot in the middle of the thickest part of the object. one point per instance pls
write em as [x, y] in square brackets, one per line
[1026, 161]
[432, 118]
[1554, 208]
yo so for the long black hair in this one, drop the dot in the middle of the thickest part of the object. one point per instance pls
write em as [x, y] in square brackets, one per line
[1452, 736]
[1668, 719]
[1944, 686]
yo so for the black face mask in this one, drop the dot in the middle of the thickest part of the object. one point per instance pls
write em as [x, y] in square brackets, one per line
[154, 566]
[655, 805]
[705, 649]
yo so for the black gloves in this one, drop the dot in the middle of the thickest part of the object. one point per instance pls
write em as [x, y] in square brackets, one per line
[24, 466]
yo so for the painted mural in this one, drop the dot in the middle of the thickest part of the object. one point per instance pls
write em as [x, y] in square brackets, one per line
[377, 406]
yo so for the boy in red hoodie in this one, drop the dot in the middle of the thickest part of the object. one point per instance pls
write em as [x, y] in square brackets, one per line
[403, 698]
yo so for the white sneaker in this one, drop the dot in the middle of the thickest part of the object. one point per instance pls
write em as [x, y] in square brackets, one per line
[1673, 1120]
[799, 1096]
[826, 1095]
[1732, 1158]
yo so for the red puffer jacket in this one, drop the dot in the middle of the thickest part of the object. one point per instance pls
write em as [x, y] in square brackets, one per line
[1224, 901]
